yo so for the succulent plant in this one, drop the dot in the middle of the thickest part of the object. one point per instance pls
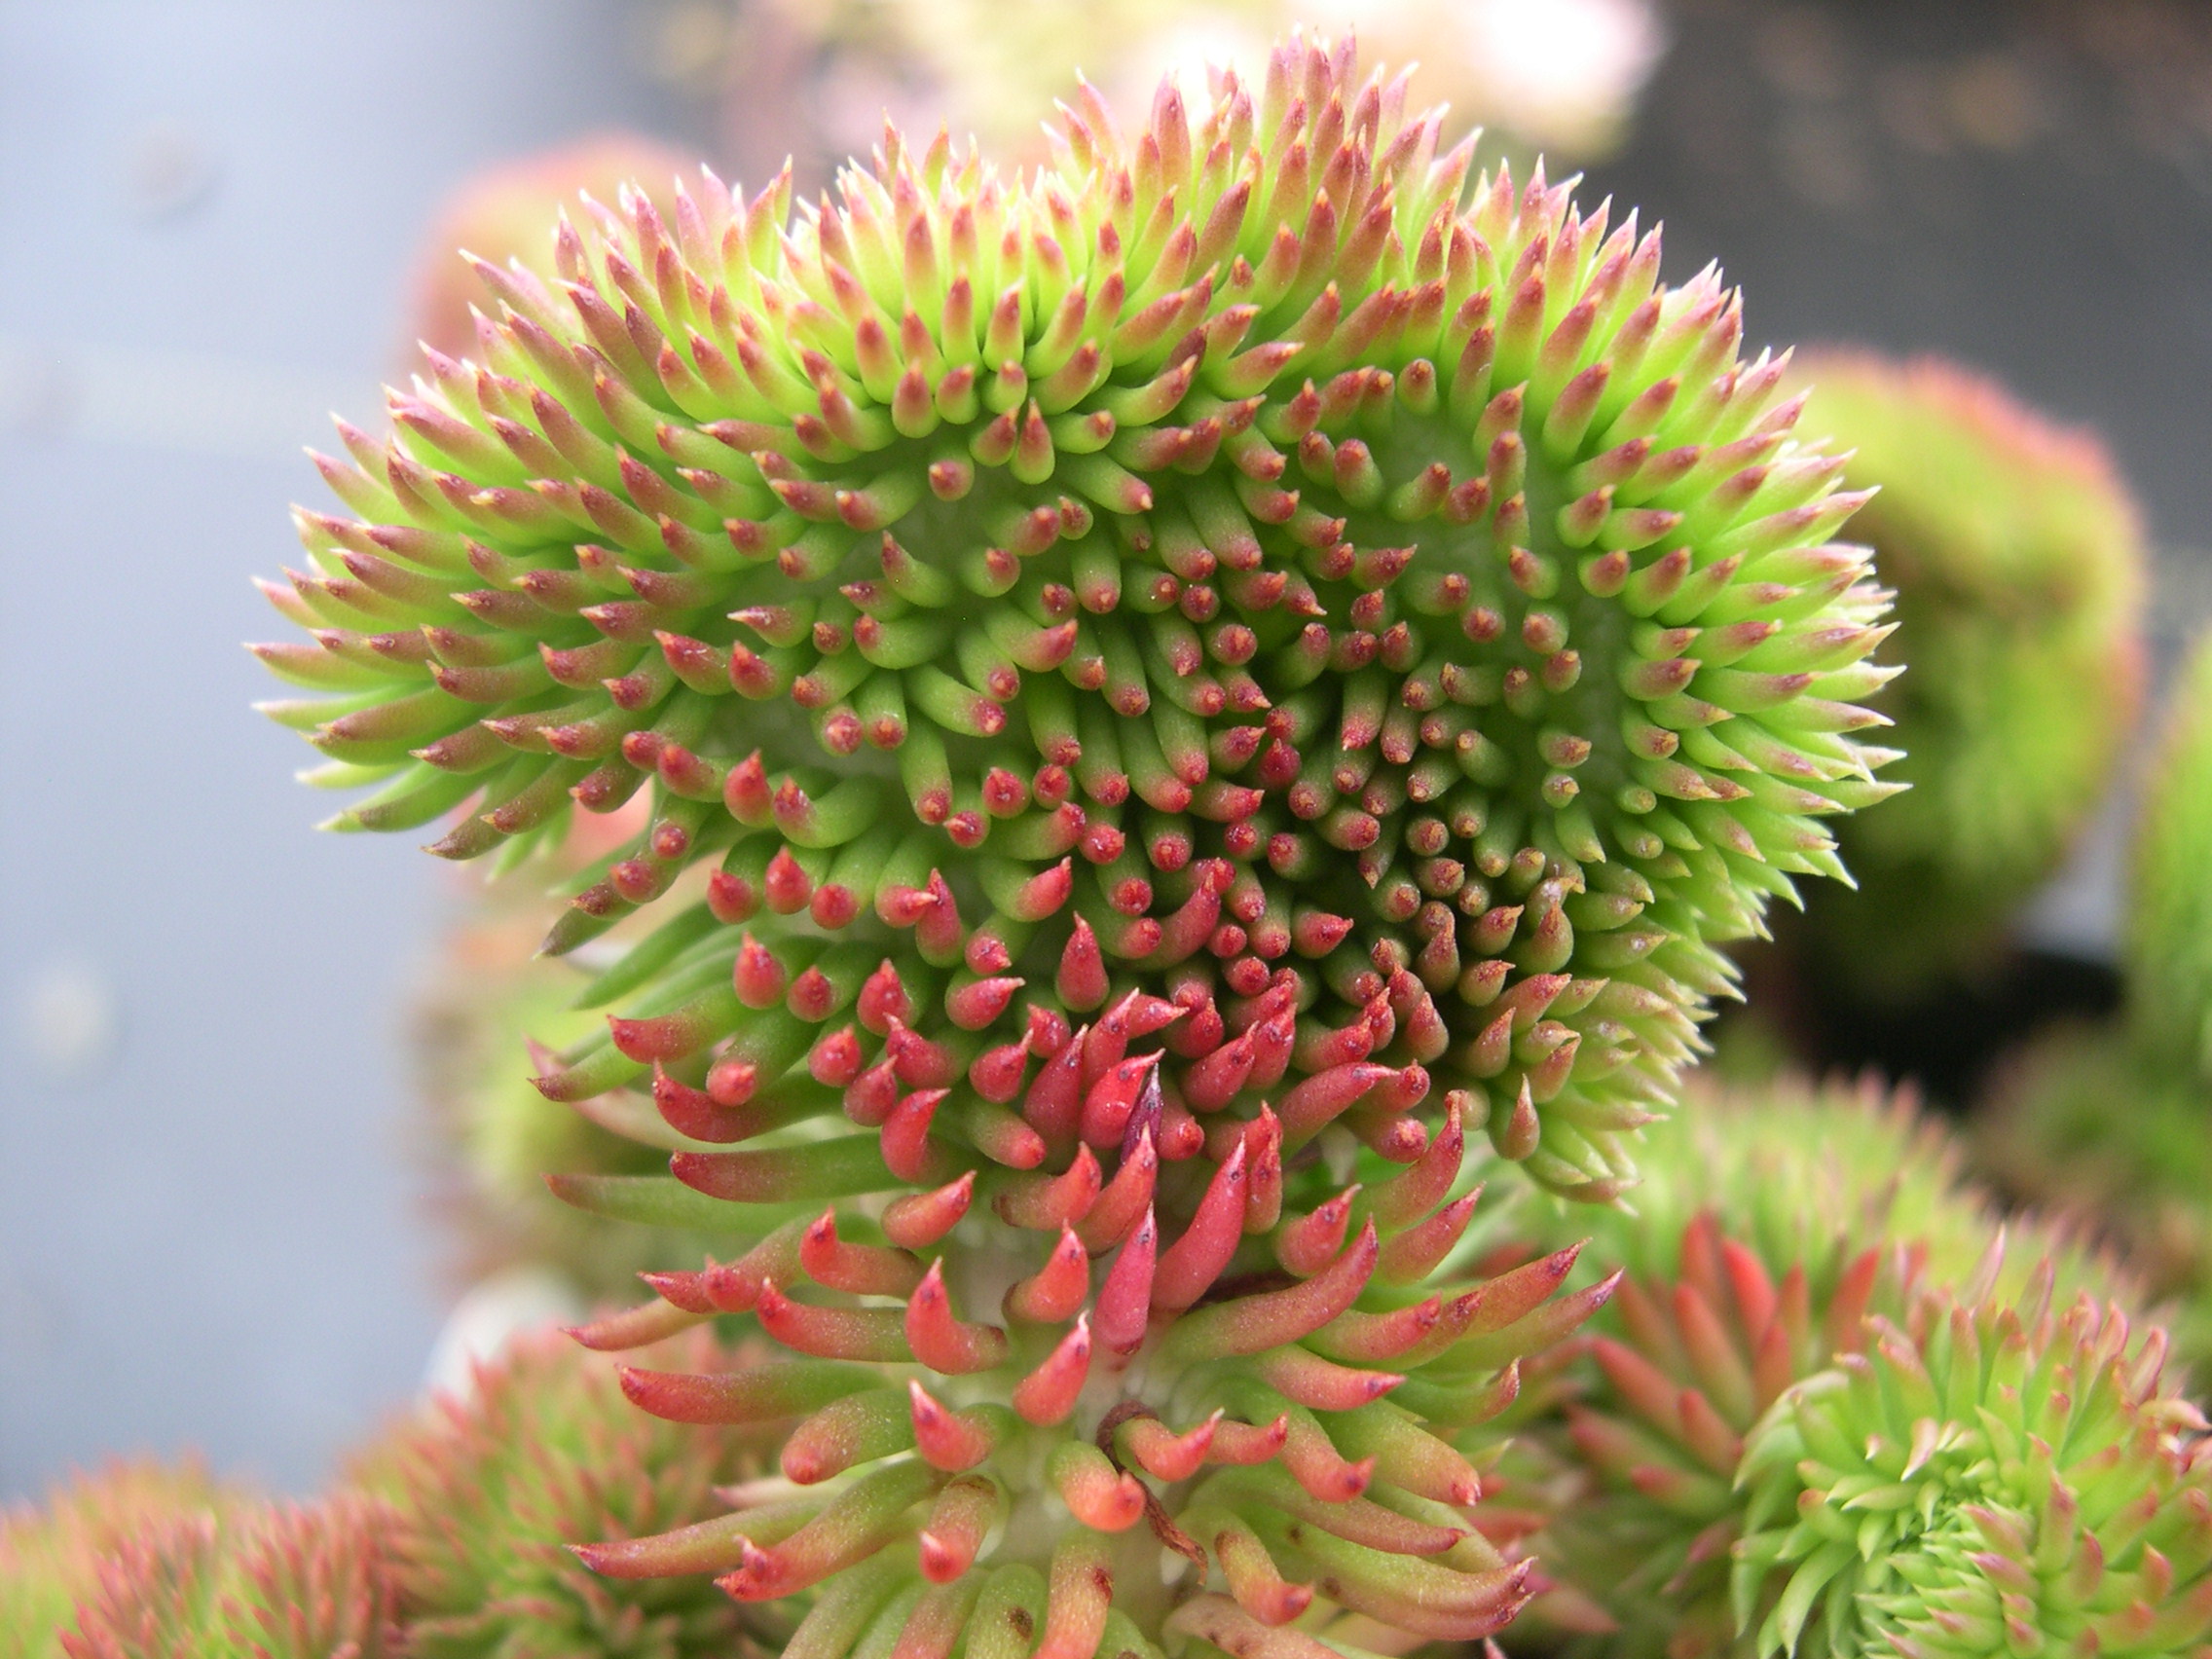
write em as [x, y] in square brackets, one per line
[2086, 1122]
[2166, 957]
[280, 1581]
[1844, 1457]
[1148, 659]
[486, 1490]
[2111, 1121]
[50, 1555]
[1798, 1171]
[489, 1136]
[1987, 1476]
[2016, 554]
[1693, 1360]
[1549, 542]
[500, 214]
[1772, 1221]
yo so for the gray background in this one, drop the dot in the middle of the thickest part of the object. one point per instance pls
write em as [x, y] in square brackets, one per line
[209, 1234]
[209, 1231]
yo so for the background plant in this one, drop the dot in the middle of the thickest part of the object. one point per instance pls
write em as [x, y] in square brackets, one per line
[2110, 1120]
[2016, 554]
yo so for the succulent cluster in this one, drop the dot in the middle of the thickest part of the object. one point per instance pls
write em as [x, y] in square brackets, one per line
[2017, 558]
[1768, 1220]
[446, 1540]
[1811, 1418]
[486, 1492]
[1454, 747]
[1301, 1431]
[1178, 688]
[1985, 1476]
[1696, 1361]
[254, 1582]
[51, 1556]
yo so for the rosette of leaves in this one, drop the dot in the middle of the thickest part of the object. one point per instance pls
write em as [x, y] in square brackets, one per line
[1985, 1476]
[487, 1490]
[1770, 1217]
[1163, 661]
[282, 1581]
[2016, 555]
[51, 1555]
[1845, 1457]
[1773, 1219]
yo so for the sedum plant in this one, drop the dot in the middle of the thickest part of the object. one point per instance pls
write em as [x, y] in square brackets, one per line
[1810, 1418]
[490, 1136]
[1696, 1358]
[51, 1556]
[284, 1581]
[486, 1490]
[1177, 689]
[1413, 695]
[2017, 553]
[1987, 1475]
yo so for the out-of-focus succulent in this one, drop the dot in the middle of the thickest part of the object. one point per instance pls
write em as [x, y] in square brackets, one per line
[253, 1582]
[502, 212]
[488, 1490]
[1162, 654]
[50, 1555]
[1562, 76]
[2114, 1123]
[2086, 1121]
[2016, 555]
[2168, 949]
[1799, 1171]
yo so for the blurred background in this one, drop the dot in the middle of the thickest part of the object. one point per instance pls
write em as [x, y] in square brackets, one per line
[219, 1226]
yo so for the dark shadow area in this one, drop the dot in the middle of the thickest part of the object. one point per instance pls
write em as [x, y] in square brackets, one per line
[1946, 1036]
